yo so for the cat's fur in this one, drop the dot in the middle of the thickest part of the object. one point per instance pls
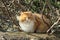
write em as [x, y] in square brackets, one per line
[31, 22]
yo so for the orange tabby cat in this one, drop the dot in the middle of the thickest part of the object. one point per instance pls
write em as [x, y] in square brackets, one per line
[31, 22]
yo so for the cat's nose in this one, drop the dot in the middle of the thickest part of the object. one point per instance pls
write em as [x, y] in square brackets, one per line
[26, 18]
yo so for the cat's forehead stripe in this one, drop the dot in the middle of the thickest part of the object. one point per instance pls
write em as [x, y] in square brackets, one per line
[28, 12]
[25, 12]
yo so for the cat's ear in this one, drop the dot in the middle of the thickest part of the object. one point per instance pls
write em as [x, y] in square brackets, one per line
[17, 17]
[20, 13]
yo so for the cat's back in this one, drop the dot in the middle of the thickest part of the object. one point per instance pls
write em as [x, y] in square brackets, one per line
[42, 18]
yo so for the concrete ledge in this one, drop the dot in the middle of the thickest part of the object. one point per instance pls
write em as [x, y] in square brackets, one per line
[26, 36]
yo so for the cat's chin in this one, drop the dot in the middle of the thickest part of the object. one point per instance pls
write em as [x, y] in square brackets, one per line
[27, 26]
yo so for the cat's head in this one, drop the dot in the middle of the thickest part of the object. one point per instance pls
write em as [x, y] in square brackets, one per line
[24, 16]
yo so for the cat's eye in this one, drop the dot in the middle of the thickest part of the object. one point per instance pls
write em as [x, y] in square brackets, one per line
[28, 17]
[18, 14]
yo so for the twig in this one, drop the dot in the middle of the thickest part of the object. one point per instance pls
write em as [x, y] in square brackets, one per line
[19, 5]
[43, 7]
[53, 25]
[6, 9]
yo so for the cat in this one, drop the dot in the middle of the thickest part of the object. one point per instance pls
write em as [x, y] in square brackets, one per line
[33, 22]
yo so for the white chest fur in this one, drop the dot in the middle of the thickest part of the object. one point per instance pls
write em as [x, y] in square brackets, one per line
[27, 26]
